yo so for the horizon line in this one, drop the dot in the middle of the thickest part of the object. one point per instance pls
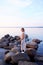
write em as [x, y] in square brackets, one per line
[23, 27]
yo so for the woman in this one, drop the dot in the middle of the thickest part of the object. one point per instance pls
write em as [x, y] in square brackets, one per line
[23, 44]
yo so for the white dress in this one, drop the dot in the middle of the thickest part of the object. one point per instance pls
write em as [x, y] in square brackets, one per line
[23, 43]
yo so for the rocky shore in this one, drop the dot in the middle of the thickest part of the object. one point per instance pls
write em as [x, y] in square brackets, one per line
[10, 51]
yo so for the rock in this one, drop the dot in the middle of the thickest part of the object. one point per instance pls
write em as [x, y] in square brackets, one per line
[1, 62]
[26, 38]
[5, 38]
[4, 44]
[1, 46]
[7, 51]
[37, 40]
[7, 35]
[8, 40]
[39, 58]
[12, 52]
[15, 49]
[11, 44]
[27, 63]
[20, 57]
[33, 45]
[16, 43]
[7, 57]
[17, 38]
[4, 41]
[12, 40]
[2, 53]
[31, 52]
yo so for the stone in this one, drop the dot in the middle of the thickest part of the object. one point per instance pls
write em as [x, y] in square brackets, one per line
[31, 52]
[33, 45]
[37, 41]
[8, 40]
[11, 44]
[20, 57]
[39, 58]
[4, 44]
[12, 40]
[17, 38]
[7, 35]
[1, 62]
[11, 53]
[7, 57]
[26, 38]
[26, 63]
[15, 49]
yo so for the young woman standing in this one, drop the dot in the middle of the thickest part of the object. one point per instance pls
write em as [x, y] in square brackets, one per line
[23, 44]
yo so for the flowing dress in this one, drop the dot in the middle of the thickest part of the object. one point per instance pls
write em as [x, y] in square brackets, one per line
[23, 43]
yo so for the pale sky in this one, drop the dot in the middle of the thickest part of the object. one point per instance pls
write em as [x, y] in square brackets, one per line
[25, 13]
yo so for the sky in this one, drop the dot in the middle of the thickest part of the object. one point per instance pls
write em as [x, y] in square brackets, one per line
[21, 13]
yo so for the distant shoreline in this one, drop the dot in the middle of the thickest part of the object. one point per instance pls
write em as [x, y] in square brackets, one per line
[21, 27]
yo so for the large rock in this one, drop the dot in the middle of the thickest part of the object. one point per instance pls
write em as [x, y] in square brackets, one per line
[26, 38]
[17, 38]
[4, 41]
[8, 40]
[2, 54]
[1, 62]
[11, 44]
[7, 35]
[39, 58]
[20, 57]
[12, 39]
[31, 52]
[7, 57]
[12, 52]
[33, 45]
[4, 44]
[37, 40]
[15, 49]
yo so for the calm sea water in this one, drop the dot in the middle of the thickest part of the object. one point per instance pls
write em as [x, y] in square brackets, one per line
[32, 33]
